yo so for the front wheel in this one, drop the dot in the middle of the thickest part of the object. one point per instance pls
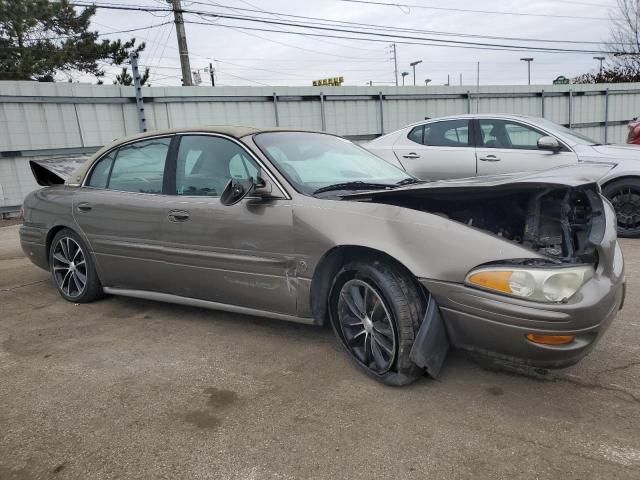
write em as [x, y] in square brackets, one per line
[624, 195]
[376, 310]
[73, 271]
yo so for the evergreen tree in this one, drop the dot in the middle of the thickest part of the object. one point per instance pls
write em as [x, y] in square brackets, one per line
[39, 38]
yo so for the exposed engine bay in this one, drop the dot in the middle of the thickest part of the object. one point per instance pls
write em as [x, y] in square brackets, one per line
[560, 222]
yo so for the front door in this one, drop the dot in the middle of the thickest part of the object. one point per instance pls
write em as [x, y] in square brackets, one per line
[438, 150]
[507, 146]
[121, 210]
[238, 255]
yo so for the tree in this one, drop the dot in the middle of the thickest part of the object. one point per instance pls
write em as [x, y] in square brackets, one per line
[610, 74]
[624, 40]
[124, 78]
[41, 38]
[623, 63]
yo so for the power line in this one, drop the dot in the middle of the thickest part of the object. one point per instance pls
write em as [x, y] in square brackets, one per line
[404, 42]
[468, 10]
[421, 40]
[297, 47]
[331, 22]
[275, 14]
[413, 40]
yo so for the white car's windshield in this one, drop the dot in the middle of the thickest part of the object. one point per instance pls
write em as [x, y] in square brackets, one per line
[566, 132]
[313, 161]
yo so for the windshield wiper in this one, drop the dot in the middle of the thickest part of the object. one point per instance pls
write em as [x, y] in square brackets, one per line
[408, 181]
[355, 185]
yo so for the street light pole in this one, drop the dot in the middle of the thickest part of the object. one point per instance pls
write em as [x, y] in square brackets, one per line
[601, 59]
[528, 60]
[404, 74]
[413, 65]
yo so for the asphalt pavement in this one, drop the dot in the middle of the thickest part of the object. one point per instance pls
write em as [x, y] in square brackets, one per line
[126, 388]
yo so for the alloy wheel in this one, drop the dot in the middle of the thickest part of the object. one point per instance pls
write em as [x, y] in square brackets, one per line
[626, 202]
[367, 326]
[69, 267]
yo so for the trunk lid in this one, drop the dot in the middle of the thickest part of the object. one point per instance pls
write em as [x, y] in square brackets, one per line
[55, 170]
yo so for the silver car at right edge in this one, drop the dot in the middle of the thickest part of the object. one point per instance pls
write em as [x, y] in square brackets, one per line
[487, 144]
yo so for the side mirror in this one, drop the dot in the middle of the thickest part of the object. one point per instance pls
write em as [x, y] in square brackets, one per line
[236, 190]
[549, 143]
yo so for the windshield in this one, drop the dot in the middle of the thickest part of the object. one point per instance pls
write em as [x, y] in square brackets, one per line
[312, 161]
[566, 132]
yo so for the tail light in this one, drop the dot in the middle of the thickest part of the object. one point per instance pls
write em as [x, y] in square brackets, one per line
[634, 133]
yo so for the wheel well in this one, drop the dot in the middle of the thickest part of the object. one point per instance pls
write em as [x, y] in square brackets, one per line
[329, 266]
[626, 177]
[50, 234]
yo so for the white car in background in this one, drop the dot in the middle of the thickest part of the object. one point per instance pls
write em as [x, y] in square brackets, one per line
[474, 145]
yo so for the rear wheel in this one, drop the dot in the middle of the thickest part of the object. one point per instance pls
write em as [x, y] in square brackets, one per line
[72, 268]
[376, 310]
[624, 195]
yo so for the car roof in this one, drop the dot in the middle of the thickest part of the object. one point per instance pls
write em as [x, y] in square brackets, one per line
[235, 131]
[475, 115]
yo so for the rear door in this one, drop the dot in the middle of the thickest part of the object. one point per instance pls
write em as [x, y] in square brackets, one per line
[507, 146]
[242, 254]
[121, 209]
[438, 150]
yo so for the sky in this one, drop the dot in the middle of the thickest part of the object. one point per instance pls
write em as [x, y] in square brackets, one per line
[246, 57]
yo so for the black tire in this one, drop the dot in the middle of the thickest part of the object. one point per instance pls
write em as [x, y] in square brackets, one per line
[72, 269]
[624, 195]
[402, 301]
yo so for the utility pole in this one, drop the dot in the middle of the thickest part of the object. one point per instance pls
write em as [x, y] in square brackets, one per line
[395, 62]
[413, 65]
[182, 42]
[528, 60]
[601, 59]
[212, 72]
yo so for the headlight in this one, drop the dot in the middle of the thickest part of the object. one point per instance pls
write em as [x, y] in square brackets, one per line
[536, 284]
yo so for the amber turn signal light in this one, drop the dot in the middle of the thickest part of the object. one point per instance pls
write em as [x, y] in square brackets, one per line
[550, 339]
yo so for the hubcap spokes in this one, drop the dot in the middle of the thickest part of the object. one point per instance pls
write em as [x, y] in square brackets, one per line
[626, 203]
[69, 267]
[367, 326]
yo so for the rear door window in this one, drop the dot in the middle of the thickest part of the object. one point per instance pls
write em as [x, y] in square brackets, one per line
[139, 167]
[449, 133]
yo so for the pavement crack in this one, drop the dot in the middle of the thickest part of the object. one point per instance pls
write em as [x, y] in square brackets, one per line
[597, 386]
[16, 287]
[620, 368]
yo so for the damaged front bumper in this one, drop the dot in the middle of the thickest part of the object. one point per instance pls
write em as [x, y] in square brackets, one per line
[497, 326]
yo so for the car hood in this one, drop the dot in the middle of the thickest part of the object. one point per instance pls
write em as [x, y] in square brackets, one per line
[617, 151]
[569, 175]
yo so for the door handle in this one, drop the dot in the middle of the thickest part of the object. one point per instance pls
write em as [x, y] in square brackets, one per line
[411, 155]
[84, 206]
[490, 158]
[178, 216]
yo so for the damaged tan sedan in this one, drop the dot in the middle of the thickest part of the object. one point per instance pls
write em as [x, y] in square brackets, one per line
[311, 228]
